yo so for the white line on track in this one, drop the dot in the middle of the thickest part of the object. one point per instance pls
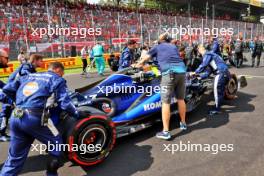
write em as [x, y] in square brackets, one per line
[252, 76]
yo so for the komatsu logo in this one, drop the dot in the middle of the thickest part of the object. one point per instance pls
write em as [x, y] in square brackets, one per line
[156, 105]
[151, 106]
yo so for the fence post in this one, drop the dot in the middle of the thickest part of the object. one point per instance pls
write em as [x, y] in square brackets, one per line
[119, 33]
[141, 30]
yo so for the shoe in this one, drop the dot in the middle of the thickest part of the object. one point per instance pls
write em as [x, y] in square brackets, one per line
[83, 73]
[164, 135]
[214, 112]
[4, 138]
[183, 126]
[101, 74]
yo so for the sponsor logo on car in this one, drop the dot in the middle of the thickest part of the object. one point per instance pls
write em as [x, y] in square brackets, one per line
[155, 105]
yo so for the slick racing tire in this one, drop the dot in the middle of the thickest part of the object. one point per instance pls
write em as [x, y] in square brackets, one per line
[231, 88]
[93, 138]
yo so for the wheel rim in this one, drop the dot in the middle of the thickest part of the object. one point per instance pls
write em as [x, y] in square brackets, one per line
[95, 136]
[232, 87]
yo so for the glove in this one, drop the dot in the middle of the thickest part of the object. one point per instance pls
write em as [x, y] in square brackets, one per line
[192, 73]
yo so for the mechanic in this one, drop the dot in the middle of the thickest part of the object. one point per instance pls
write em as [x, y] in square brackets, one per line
[257, 51]
[29, 120]
[98, 52]
[173, 79]
[127, 55]
[213, 63]
[3, 59]
[113, 62]
[216, 46]
[3, 64]
[84, 60]
[35, 61]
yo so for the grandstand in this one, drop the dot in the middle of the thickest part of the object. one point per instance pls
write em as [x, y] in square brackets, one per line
[18, 18]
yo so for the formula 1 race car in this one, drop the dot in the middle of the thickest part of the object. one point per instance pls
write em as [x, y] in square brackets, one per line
[108, 113]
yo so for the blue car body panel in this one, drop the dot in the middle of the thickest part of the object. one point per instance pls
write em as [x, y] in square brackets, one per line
[147, 105]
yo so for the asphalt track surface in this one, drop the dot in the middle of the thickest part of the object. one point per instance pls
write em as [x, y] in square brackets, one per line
[141, 154]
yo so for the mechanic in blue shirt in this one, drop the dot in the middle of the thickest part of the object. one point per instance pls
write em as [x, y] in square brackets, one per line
[31, 93]
[127, 56]
[213, 63]
[251, 46]
[173, 73]
[35, 61]
[216, 46]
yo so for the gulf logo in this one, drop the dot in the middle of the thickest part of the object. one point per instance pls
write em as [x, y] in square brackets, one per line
[30, 88]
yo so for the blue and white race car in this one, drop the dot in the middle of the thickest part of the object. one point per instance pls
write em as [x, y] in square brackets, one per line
[125, 103]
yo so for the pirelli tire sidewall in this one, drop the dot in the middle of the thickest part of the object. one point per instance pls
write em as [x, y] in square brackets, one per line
[101, 122]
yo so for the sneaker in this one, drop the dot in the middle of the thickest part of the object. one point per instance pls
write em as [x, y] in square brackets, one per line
[4, 138]
[214, 112]
[163, 135]
[183, 126]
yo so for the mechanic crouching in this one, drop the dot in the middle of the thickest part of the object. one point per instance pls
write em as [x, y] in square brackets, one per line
[30, 121]
[173, 81]
[213, 63]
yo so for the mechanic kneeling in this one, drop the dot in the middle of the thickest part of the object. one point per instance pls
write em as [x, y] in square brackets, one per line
[29, 122]
[173, 80]
[213, 63]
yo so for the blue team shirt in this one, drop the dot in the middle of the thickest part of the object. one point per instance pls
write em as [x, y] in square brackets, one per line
[216, 47]
[168, 58]
[211, 63]
[126, 58]
[22, 70]
[33, 90]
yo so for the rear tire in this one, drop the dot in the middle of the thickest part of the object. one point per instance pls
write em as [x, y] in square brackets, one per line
[97, 136]
[231, 88]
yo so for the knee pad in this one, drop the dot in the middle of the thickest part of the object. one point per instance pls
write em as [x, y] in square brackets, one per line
[53, 165]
